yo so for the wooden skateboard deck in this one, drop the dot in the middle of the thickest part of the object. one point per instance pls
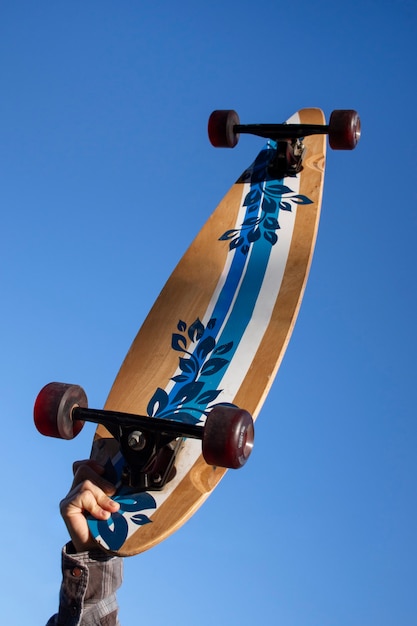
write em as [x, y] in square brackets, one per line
[216, 334]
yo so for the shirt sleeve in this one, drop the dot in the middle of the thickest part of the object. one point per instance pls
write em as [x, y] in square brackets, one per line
[88, 590]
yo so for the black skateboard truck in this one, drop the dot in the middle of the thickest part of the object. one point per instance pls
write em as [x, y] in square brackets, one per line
[149, 445]
[343, 129]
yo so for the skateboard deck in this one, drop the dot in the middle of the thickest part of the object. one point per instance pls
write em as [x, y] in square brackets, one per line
[216, 334]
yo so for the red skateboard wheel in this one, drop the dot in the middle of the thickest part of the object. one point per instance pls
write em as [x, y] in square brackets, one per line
[344, 129]
[228, 437]
[221, 128]
[53, 410]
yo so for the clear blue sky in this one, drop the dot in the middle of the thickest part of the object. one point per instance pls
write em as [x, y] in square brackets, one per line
[106, 175]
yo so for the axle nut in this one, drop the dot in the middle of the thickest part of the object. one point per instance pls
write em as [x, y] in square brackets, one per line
[136, 440]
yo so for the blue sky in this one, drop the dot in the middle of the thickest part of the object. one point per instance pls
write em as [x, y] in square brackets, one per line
[106, 175]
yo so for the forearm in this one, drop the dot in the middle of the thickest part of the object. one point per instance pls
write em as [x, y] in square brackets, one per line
[88, 590]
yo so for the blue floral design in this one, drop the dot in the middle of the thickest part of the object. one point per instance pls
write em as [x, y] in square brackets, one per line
[201, 359]
[266, 197]
[114, 530]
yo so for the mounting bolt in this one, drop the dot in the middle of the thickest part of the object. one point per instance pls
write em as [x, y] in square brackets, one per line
[136, 440]
[156, 478]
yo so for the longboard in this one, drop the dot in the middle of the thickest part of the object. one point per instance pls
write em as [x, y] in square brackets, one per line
[216, 334]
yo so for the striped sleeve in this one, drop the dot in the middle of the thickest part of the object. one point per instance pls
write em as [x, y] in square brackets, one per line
[88, 590]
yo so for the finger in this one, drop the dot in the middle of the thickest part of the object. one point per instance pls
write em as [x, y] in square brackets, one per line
[99, 469]
[94, 503]
[87, 471]
[101, 497]
[87, 497]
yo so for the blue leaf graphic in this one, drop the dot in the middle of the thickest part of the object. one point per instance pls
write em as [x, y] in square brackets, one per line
[278, 190]
[251, 221]
[271, 237]
[180, 378]
[212, 366]
[271, 223]
[252, 197]
[115, 535]
[186, 417]
[208, 396]
[188, 366]
[254, 235]
[196, 330]
[158, 402]
[178, 342]
[225, 347]
[140, 519]
[133, 502]
[188, 392]
[229, 234]
[299, 199]
[235, 243]
[205, 347]
[269, 205]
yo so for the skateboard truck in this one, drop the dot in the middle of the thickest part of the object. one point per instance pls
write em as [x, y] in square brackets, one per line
[149, 445]
[343, 129]
[288, 160]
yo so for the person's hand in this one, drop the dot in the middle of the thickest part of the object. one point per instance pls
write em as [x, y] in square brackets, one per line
[89, 494]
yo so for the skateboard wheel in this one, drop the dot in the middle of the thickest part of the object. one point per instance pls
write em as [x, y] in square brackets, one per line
[221, 129]
[53, 410]
[228, 437]
[344, 129]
